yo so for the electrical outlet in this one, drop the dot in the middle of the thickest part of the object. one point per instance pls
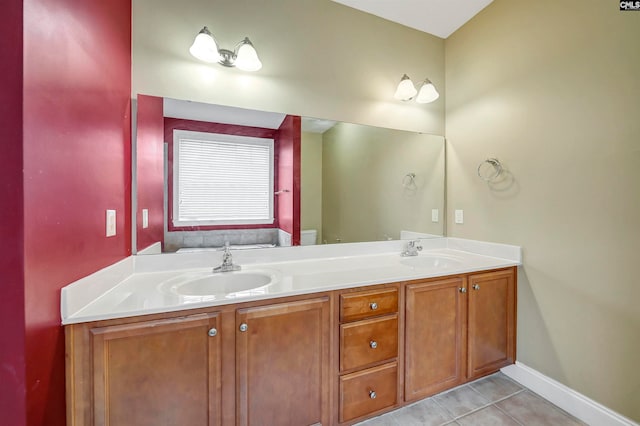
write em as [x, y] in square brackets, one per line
[111, 223]
[145, 218]
[459, 216]
[435, 213]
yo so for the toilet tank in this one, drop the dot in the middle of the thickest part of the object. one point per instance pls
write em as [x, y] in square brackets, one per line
[308, 237]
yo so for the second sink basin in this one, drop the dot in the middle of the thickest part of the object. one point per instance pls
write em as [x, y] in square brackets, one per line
[430, 261]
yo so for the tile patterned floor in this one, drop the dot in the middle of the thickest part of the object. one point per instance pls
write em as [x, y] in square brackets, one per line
[494, 400]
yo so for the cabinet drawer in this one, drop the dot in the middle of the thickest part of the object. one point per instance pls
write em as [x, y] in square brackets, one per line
[368, 391]
[356, 306]
[368, 341]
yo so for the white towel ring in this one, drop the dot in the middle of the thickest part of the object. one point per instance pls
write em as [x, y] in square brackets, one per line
[409, 181]
[490, 169]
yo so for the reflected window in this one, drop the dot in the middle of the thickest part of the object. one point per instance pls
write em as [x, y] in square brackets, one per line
[221, 179]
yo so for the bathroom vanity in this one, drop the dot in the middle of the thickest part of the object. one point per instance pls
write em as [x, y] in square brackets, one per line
[328, 340]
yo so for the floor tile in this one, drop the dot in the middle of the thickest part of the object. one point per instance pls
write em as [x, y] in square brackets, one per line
[489, 416]
[423, 413]
[460, 401]
[496, 386]
[388, 419]
[531, 410]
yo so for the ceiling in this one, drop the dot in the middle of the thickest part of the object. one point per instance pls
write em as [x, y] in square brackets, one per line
[438, 17]
[188, 110]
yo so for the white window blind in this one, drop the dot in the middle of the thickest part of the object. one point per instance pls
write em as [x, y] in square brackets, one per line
[221, 179]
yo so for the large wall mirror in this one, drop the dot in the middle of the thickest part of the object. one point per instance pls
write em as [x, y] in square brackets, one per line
[311, 181]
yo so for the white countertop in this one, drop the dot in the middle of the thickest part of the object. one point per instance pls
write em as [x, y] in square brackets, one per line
[145, 284]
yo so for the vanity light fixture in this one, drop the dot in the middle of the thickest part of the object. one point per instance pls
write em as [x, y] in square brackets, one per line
[243, 56]
[407, 91]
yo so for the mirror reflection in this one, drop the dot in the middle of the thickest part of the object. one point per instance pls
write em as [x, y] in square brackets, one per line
[207, 175]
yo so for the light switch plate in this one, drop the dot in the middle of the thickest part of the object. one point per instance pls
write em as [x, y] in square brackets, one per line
[145, 218]
[435, 215]
[111, 223]
[459, 216]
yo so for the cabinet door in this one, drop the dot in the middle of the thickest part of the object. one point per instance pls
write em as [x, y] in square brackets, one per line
[434, 336]
[282, 360]
[491, 322]
[164, 372]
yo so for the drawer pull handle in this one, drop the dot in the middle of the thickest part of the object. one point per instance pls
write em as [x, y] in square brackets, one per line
[463, 290]
[372, 395]
[476, 287]
[244, 327]
[373, 306]
[213, 332]
[373, 344]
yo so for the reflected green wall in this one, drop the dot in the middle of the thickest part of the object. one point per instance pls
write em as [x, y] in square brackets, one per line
[363, 196]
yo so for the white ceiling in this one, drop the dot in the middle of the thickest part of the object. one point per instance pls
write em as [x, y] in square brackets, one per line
[188, 110]
[438, 17]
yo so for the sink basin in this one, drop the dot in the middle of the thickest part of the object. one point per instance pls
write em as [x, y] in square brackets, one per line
[226, 282]
[211, 286]
[430, 261]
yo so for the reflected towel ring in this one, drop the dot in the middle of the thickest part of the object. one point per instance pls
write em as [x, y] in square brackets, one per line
[409, 181]
[490, 169]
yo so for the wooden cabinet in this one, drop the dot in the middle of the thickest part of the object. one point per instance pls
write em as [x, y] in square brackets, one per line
[492, 322]
[457, 329]
[282, 358]
[368, 380]
[434, 337]
[300, 360]
[367, 342]
[157, 372]
[185, 370]
[368, 391]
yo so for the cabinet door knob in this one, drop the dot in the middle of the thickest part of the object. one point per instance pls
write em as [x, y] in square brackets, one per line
[372, 394]
[373, 306]
[463, 290]
[213, 332]
[476, 287]
[373, 344]
[244, 327]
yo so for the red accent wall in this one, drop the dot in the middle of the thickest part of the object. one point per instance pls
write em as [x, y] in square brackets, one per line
[150, 169]
[77, 164]
[288, 151]
[171, 124]
[12, 330]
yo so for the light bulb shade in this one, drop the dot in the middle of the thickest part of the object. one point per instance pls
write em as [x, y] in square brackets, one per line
[428, 93]
[406, 90]
[247, 57]
[204, 47]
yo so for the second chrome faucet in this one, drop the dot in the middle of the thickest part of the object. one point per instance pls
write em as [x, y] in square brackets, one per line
[412, 248]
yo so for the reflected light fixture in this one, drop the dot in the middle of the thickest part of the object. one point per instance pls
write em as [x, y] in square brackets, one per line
[407, 91]
[243, 56]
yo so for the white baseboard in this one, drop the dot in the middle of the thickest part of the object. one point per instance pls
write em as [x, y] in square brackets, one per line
[572, 402]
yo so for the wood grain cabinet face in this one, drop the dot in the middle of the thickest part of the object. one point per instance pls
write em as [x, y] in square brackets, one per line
[368, 391]
[157, 372]
[369, 341]
[365, 304]
[434, 348]
[282, 361]
[491, 322]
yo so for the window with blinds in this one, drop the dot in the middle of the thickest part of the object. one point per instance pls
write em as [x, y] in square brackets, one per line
[221, 179]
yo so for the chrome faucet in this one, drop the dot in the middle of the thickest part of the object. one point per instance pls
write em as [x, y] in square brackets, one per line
[227, 261]
[412, 248]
